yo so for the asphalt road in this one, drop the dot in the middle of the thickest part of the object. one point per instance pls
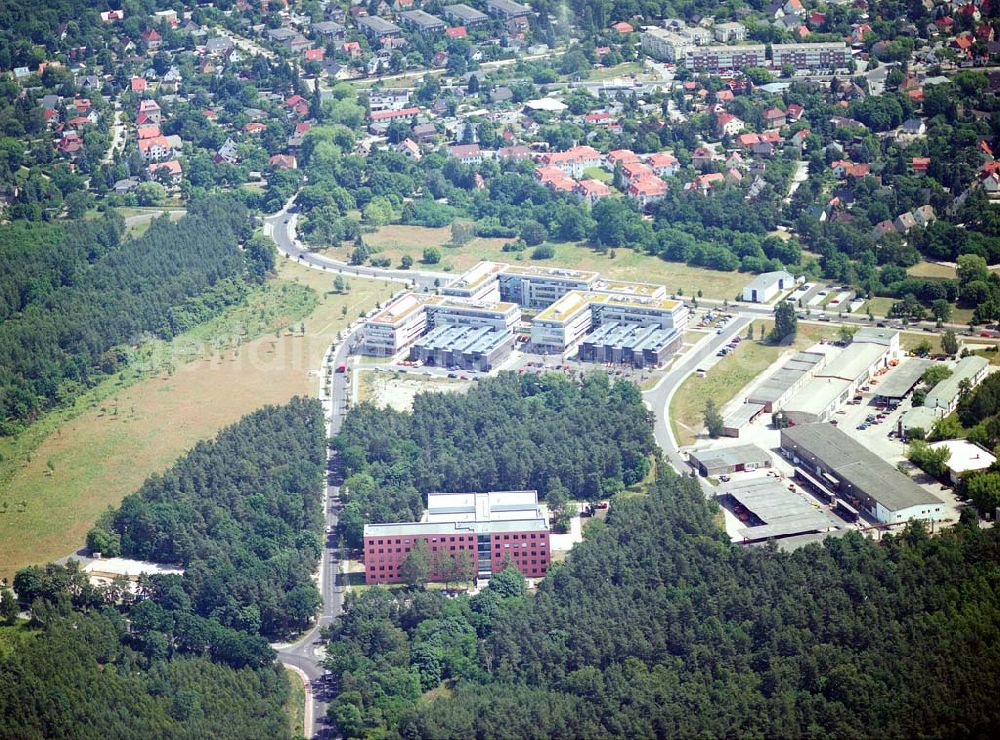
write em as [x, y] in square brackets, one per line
[658, 399]
[306, 653]
[281, 228]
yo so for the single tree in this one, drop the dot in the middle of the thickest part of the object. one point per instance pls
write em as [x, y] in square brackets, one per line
[786, 323]
[416, 567]
[949, 342]
[8, 607]
[713, 419]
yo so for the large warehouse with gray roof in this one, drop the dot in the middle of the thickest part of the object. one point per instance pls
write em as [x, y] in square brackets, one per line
[858, 474]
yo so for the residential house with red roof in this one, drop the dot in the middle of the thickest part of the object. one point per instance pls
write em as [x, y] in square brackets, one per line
[703, 157]
[591, 190]
[151, 110]
[155, 149]
[298, 106]
[283, 162]
[774, 118]
[621, 155]
[554, 179]
[664, 164]
[647, 190]
[152, 38]
[573, 161]
[467, 153]
[170, 170]
[727, 124]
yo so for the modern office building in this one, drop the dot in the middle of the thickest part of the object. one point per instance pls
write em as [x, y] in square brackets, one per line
[536, 287]
[478, 283]
[724, 58]
[829, 55]
[564, 323]
[406, 319]
[850, 470]
[466, 347]
[630, 344]
[487, 530]
[446, 310]
[396, 326]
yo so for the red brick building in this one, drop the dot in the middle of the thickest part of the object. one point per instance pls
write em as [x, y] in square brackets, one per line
[489, 528]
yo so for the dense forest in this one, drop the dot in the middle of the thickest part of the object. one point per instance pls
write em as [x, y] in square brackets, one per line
[181, 655]
[242, 513]
[656, 626]
[82, 675]
[508, 433]
[71, 318]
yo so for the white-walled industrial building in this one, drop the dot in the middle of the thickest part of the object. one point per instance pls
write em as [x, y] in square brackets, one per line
[764, 287]
[834, 385]
[851, 470]
[945, 395]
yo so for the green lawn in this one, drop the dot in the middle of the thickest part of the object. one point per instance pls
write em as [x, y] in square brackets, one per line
[619, 70]
[599, 173]
[721, 384]
[295, 707]
[395, 241]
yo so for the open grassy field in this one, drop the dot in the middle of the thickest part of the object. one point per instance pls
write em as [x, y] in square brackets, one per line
[93, 457]
[295, 707]
[720, 384]
[395, 241]
[732, 373]
[931, 270]
[625, 69]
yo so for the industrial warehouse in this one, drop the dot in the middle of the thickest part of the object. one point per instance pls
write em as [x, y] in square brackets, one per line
[871, 351]
[841, 466]
[786, 380]
[723, 460]
[770, 511]
[487, 529]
